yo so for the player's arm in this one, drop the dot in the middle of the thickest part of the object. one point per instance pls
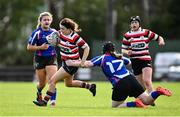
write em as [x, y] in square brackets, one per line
[125, 46]
[126, 60]
[77, 63]
[81, 43]
[32, 44]
[44, 46]
[85, 54]
[161, 41]
[96, 61]
[156, 37]
[126, 52]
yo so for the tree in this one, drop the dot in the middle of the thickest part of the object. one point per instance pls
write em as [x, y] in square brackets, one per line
[16, 21]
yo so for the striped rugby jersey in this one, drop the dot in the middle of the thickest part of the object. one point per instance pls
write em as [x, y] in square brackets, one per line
[138, 42]
[69, 46]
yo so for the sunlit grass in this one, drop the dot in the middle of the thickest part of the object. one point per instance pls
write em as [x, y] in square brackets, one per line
[16, 100]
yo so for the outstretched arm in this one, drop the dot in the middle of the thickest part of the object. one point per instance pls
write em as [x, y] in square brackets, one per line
[77, 63]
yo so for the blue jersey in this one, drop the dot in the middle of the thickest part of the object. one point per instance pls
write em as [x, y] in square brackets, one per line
[113, 68]
[38, 37]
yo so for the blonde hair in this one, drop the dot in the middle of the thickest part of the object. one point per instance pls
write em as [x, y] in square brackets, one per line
[42, 15]
[70, 24]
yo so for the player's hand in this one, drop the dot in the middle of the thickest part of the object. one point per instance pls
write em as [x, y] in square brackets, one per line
[82, 64]
[129, 52]
[44, 46]
[161, 41]
[74, 63]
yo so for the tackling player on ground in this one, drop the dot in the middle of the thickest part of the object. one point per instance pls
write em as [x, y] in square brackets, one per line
[123, 82]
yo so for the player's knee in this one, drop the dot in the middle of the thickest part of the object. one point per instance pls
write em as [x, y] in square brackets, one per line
[42, 84]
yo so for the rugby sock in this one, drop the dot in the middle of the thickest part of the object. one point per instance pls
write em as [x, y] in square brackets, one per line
[48, 96]
[86, 85]
[131, 104]
[53, 97]
[39, 90]
[155, 95]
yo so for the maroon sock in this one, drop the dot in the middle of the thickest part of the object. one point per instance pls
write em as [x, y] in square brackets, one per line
[48, 96]
[85, 85]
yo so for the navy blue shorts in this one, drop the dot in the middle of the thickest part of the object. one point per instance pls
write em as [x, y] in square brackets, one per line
[40, 62]
[128, 86]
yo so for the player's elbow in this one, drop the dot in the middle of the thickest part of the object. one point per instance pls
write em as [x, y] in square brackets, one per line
[28, 48]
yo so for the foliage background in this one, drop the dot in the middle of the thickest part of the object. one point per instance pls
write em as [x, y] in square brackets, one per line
[19, 18]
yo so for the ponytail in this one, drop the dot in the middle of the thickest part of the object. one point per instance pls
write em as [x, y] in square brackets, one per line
[70, 24]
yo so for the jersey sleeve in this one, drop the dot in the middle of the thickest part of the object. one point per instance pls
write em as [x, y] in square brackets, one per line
[126, 60]
[153, 36]
[81, 43]
[125, 42]
[32, 39]
[97, 60]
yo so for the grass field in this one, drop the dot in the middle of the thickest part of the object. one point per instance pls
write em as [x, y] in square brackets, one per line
[16, 100]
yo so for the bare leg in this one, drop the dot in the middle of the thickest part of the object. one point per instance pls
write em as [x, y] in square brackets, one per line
[147, 78]
[139, 78]
[41, 75]
[118, 104]
[61, 74]
[50, 71]
[69, 82]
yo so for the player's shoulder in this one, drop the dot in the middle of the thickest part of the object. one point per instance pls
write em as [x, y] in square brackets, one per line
[75, 34]
[36, 31]
[53, 30]
[127, 34]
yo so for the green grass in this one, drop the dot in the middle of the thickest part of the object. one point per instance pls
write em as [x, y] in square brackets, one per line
[16, 100]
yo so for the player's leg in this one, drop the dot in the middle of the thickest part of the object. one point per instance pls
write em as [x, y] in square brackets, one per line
[41, 75]
[123, 89]
[61, 74]
[69, 82]
[139, 78]
[147, 78]
[50, 71]
[137, 70]
[149, 99]
[121, 104]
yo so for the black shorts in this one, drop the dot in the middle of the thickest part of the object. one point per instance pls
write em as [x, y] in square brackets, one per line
[138, 65]
[127, 86]
[69, 69]
[40, 62]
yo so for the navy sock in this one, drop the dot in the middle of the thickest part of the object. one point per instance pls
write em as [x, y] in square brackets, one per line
[131, 104]
[155, 94]
[39, 90]
[53, 97]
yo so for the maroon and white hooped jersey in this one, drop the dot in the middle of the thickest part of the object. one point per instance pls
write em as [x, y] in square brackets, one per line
[69, 46]
[138, 42]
